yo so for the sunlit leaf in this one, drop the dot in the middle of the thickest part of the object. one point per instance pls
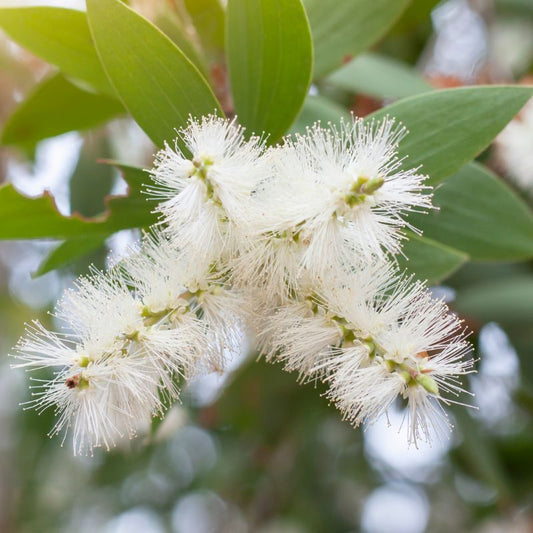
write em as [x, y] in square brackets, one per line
[156, 82]
[32, 218]
[60, 36]
[418, 13]
[171, 25]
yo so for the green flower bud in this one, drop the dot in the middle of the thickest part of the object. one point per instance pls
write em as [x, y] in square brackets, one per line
[428, 383]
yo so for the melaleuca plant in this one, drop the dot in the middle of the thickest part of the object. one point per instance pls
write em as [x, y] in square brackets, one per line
[300, 233]
[311, 277]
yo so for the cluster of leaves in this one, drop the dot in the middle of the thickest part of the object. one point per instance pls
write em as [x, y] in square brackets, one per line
[111, 62]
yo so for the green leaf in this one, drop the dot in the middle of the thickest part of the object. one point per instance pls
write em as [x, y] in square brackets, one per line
[379, 76]
[54, 107]
[57, 35]
[508, 301]
[418, 12]
[430, 260]
[448, 128]
[318, 108]
[345, 28]
[479, 215]
[134, 210]
[270, 59]
[32, 218]
[476, 272]
[135, 177]
[156, 82]
[68, 251]
[209, 19]
[91, 182]
[171, 25]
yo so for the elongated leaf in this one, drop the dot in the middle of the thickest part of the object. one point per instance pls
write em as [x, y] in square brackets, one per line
[91, 183]
[379, 76]
[318, 108]
[481, 216]
[31, 218]
[508, 301]
[69, 251]
[449, 128]
[475, 273]
[54, 107]
[171, 25]
[134, 210]
[153, 78]
[430, 260]
[270, 60]
[418, 12]
[77, 247]
[345, 28]
[208, 16]
[57, 35]
[135, 177]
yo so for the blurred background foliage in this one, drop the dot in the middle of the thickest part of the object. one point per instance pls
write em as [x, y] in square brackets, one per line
[251, 450]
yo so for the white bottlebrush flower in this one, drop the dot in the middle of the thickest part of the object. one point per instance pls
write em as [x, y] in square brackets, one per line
[374, 337]
[306, 330]
[100, 307]
[338, 196]
[40, 348]
[204, 196]
[292, 240]
[425, 416]
[361, 185]
[362, 389]
[104, 391]
[107, 316]
[99, 401]
[268, 267]
[300, 336]
[415, 348]
[196, 301]
[515, 148]
[132, 332]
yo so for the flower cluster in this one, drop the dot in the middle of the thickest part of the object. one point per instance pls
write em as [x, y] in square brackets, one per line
[133, 332]
[296, 241]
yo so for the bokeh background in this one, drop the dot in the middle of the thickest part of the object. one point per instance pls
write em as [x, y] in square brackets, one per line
[251, 450]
